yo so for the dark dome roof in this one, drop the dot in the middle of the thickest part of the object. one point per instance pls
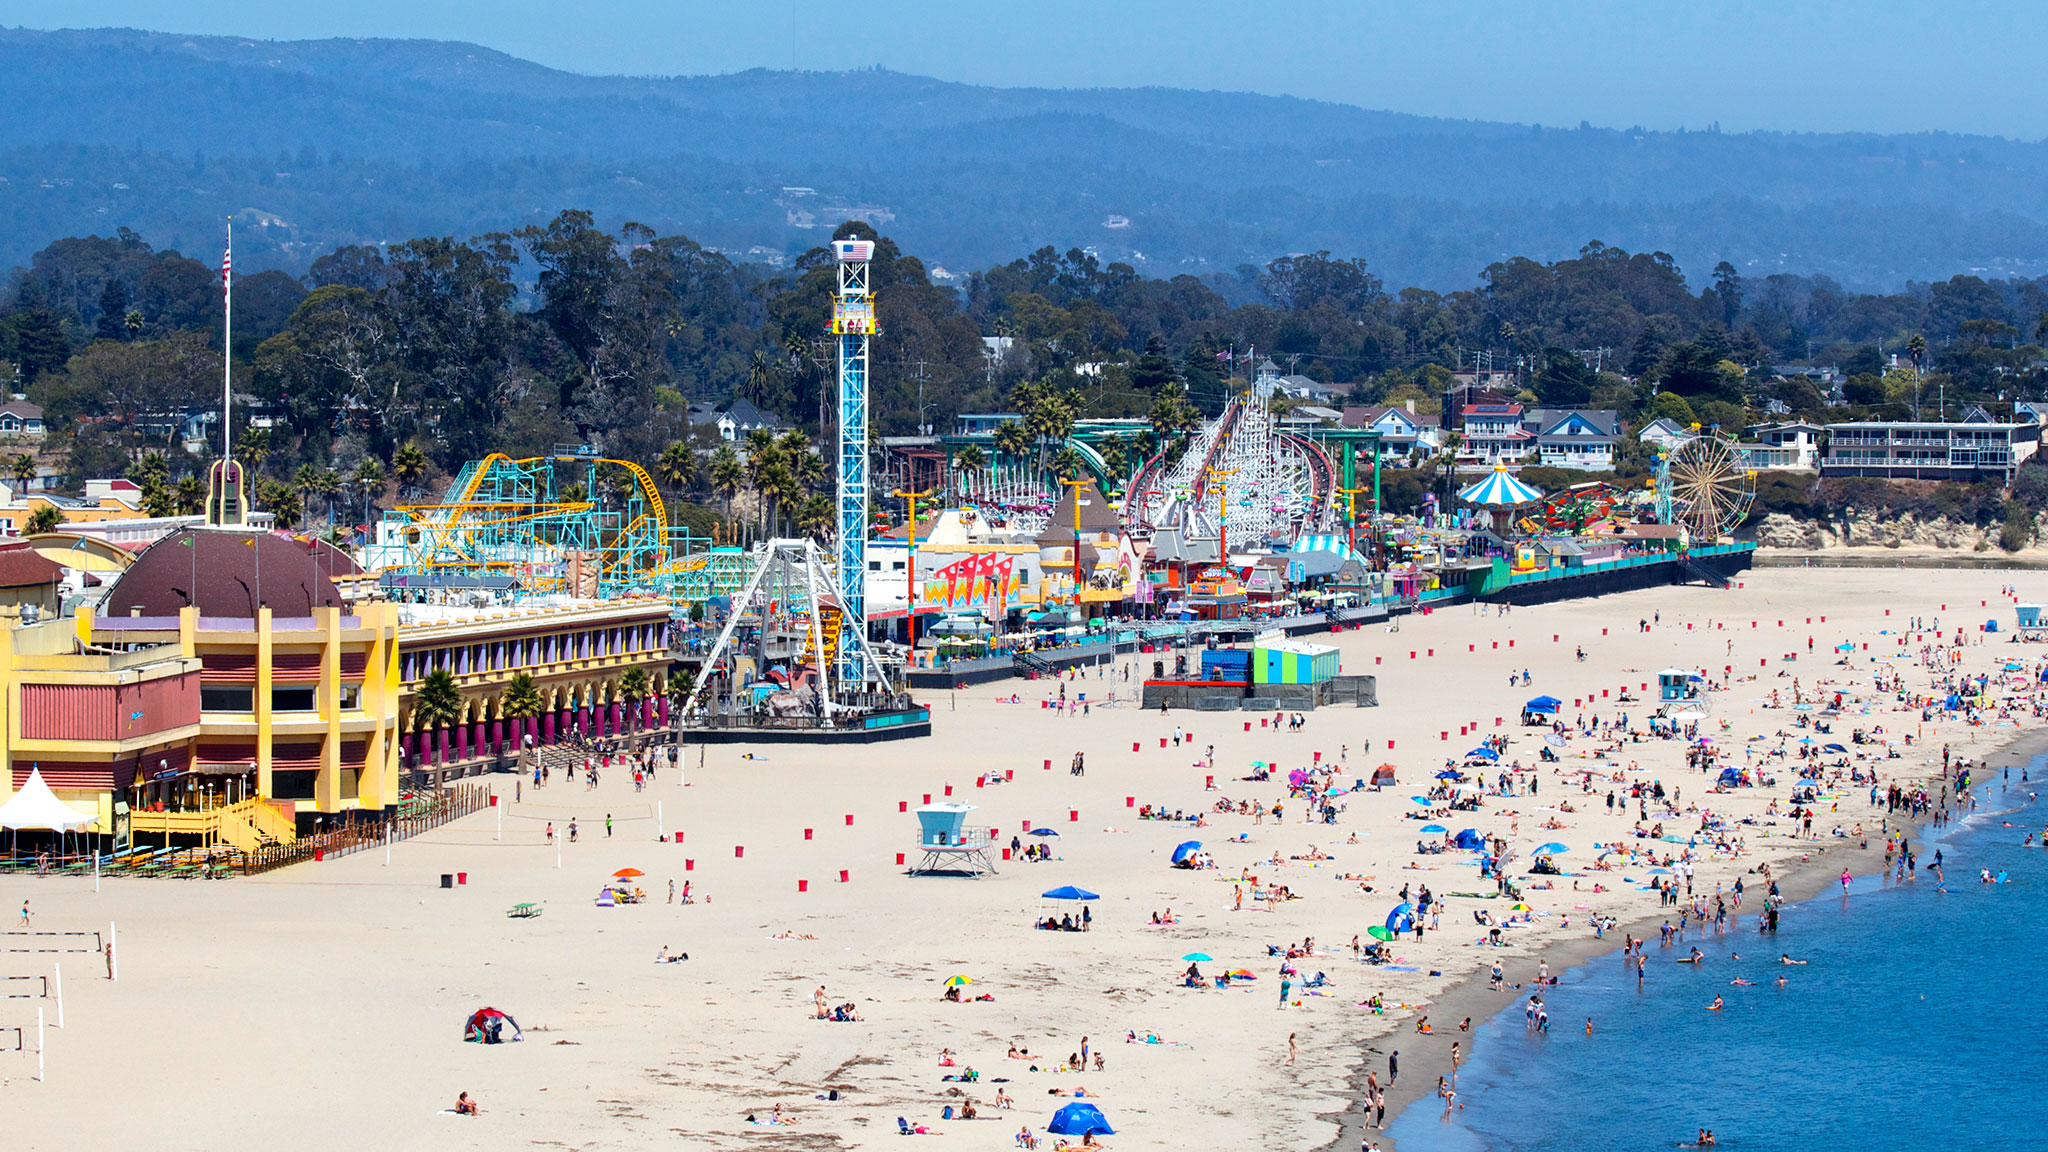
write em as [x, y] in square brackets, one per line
[230, 572]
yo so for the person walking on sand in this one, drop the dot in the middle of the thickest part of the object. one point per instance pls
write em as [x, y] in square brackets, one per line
[1286, 985]
[1290, 1047]
[24, 912]
[1393, 1067]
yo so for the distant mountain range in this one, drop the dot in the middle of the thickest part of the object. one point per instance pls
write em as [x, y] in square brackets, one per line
[317, 143]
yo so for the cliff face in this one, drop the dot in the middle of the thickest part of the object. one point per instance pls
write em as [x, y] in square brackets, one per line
[1871, 530]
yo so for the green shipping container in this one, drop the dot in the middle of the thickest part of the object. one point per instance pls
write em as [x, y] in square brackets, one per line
[1293, 662]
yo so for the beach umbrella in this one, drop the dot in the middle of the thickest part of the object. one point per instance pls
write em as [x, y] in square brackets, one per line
[1422, 800]
[1379, 933]
[626, 873]
[1552, 848]
[1834, 748]
[1518, 908]
[1484, 753]
[1080, 1119]
[1434, 829]
[1184, 850]
[1297, 778]
[1242, 974]
[1069, 892]
[1660, 871]
[1555, 740]
[1198, 957]
[957, 981]
[1042, 832]
[1447, 774]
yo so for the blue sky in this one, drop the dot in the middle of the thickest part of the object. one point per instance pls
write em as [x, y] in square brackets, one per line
[1801, 65]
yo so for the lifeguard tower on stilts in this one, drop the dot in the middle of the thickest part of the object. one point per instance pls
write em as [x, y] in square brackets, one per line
[950, 847]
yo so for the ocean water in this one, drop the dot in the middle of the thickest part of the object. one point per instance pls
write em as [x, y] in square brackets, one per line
[1916, 1023]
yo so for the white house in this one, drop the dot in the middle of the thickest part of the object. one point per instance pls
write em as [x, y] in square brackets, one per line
[1401, 431]
[1792, 444]
[1664, 433]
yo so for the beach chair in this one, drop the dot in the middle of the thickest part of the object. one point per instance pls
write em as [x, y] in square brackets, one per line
[903, 1127]
[523, 911]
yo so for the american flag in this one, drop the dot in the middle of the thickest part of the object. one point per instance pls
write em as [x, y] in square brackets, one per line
[227, 263]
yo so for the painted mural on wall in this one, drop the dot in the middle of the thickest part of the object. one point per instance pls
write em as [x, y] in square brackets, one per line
[986, 582]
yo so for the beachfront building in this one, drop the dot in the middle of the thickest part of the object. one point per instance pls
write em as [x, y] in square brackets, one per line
[580, 654]
[1978, 449]
[1789, 446]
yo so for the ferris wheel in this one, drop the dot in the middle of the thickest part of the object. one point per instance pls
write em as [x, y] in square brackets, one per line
[1707, 486]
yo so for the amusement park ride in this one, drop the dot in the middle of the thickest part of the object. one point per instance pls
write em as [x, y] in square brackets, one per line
[792, 652]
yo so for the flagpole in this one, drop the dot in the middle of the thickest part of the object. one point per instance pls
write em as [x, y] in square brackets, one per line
[227, 342]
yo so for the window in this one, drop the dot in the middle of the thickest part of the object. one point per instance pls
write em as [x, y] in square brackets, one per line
[351, 697]
[226, 699]
[291, 699]
[295, 784]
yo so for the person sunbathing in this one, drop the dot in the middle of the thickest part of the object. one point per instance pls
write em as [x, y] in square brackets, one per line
[464, 1106]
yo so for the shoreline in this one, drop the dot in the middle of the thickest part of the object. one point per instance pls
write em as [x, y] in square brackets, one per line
[1470, 996]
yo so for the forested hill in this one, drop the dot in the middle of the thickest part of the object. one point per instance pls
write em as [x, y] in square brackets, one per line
[313, 144]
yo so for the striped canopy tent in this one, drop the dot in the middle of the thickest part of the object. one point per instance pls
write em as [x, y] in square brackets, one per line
[1500, 490]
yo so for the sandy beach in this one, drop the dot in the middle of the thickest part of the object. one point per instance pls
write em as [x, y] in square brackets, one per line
[323, 1004]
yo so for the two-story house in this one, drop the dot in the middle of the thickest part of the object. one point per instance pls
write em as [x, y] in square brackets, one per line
[1582, 438]
[1402, 433]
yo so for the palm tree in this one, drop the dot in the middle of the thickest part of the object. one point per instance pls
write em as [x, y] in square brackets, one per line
[282, 501]
[191, 496]
[633, 685]
[969, 460]
[437, 704]
[369, 477]
[676, 466]
[151, 469]
[24, 467]
[728, 475]
[46, 518]
[520, 703]
[817, 517]
[159, 500]
[1012, 441]
[409, 464]
[1916, 348]
[1068, 463]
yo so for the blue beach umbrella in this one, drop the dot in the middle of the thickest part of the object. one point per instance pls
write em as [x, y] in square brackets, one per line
[1447, 774]
[1551, 848]
[1042, 832]
[1199, 957]
[1069, 892]
[1422, 800]
[1434, 829]
[1183, 851]
[1080, 1119]
[1483, 753]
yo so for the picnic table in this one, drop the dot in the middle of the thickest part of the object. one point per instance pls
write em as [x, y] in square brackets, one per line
[523, 911]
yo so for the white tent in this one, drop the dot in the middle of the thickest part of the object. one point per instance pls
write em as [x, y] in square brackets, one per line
[35, 806]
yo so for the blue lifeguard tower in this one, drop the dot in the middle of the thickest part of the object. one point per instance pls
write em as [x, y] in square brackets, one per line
[2028, 621]
[949, 846]
[1681, 695]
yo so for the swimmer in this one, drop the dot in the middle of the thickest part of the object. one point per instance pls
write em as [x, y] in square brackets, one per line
[1786, 958]
[1715, 1006]
[1695, 958]
[1741, 983]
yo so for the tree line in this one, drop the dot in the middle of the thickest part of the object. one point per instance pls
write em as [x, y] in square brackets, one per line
[385, 367]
